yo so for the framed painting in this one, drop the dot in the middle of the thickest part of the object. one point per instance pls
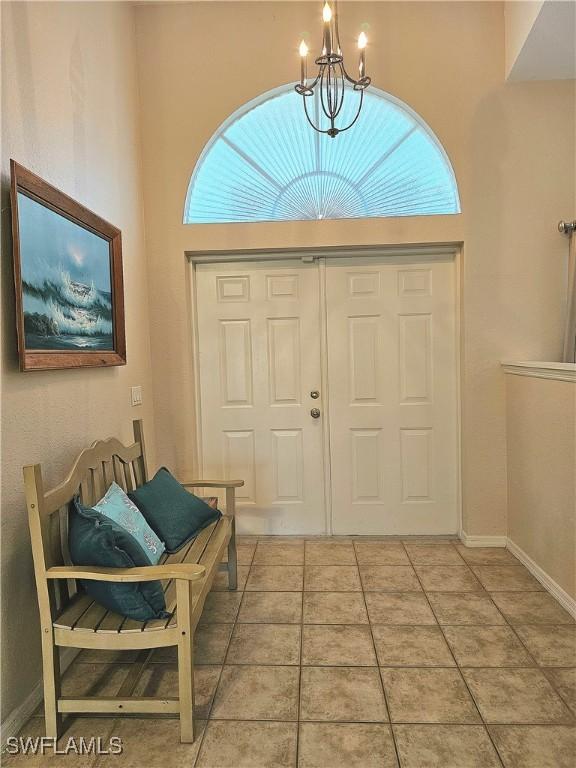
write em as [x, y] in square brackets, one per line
[68, 279]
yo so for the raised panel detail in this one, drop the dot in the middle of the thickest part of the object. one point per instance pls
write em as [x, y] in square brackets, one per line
[238, 461]
[284, 360]
[287, 457]
[364, 284]
[364, 353]
[367, 480]
[282, 286]
[415, 358]
[236, 363]
[416, 464]
[415, 282]
[235, 288]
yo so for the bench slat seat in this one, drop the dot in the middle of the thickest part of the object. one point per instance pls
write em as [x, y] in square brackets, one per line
[71, 618]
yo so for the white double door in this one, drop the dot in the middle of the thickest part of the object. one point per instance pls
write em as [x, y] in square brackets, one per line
[375, 339]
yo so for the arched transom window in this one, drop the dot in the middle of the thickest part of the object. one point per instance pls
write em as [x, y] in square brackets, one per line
[265, 163]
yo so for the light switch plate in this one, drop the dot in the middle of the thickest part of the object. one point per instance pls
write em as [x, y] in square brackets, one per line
[136, 395]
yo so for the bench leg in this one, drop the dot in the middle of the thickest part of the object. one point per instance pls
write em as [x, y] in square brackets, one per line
[232, 555]
[51, 676]
[185, 663]
[232, 562]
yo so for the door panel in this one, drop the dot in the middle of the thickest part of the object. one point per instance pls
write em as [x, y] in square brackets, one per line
[259, 359]
[392, 398]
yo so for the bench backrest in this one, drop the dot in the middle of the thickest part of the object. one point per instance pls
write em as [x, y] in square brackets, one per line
[91, 474]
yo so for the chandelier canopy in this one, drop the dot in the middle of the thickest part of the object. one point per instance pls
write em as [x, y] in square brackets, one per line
[332, 76]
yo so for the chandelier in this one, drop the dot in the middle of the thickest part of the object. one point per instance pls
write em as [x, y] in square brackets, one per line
[332, 76]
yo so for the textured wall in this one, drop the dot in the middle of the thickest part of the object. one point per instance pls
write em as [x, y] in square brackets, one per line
[541, 417]
[69, 113]
[512, 147]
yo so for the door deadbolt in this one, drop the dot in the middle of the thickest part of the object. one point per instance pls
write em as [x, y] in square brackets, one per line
[315, 413]
[314, 394]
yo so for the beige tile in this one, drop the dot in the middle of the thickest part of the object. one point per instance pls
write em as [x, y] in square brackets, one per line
[153, 742]
[564, 681]
[330, 553]
[337, 645]
[516, 696]
[399, 608]
[389, 578]
[422, 553]
[531, 608]
[235, 744]
[221, 607]
[381, 553]
[334, 608]
[551, 646]
[244, 553]
[275, 578]
[99, 656]
[220, 583]
[476, 646]
[162, 680]
[332, 578]
[210, 645]
[271, 608]
[243, 538]
[428, 696]
[92, 680]
[464, 608]
[73, 727]
[346, 745]
[411, 647]
[535, 746]
[342, 693]
[296, 541]
[447, 578]
[486, 555]
[445, 746]
[507, 578]
[265, 644]
[257, 693]
[279, 554]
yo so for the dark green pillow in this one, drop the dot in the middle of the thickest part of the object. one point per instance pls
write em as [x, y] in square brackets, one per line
[96, 540]
[173, 513]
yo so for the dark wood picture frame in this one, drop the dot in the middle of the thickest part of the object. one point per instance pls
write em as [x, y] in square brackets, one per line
[27, 183]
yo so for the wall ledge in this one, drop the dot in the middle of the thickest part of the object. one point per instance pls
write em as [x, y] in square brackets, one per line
[538, 370]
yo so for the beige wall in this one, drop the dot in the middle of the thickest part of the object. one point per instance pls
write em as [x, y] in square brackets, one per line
[69, 113]
[512, 147]
[541, 417]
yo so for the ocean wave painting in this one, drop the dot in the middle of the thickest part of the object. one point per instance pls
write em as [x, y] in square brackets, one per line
[66, 282]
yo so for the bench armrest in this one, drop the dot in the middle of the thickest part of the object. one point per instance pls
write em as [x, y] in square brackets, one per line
[185, 571]
[214, 484]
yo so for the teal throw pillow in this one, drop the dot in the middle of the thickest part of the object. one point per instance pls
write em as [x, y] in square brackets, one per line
[176, 515]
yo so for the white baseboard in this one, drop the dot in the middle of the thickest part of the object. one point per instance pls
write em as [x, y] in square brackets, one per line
[567, 602]
[482, 541]
[13, 724]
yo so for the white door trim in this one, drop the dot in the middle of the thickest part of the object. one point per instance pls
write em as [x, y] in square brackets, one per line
[423, 252]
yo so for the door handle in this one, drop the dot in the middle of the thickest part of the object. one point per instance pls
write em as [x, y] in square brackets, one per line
[315, 413]
[314, 394]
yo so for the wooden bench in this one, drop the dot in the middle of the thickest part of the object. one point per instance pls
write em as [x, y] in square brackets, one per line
[70, 618]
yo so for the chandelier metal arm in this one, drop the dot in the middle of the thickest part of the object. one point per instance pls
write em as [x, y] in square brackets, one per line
[330, 81]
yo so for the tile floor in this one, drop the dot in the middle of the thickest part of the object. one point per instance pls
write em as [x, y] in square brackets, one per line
[357, 653]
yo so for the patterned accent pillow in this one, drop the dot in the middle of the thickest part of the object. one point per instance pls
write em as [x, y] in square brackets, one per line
[116, 506]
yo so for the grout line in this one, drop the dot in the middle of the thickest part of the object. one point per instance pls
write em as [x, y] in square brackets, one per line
[391, 729]
[457, 667]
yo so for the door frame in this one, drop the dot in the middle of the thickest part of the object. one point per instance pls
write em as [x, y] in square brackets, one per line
[449, 251]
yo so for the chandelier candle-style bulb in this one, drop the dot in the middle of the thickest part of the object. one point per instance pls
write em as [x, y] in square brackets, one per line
[327, 17]
[303, 50]
[362, 40]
